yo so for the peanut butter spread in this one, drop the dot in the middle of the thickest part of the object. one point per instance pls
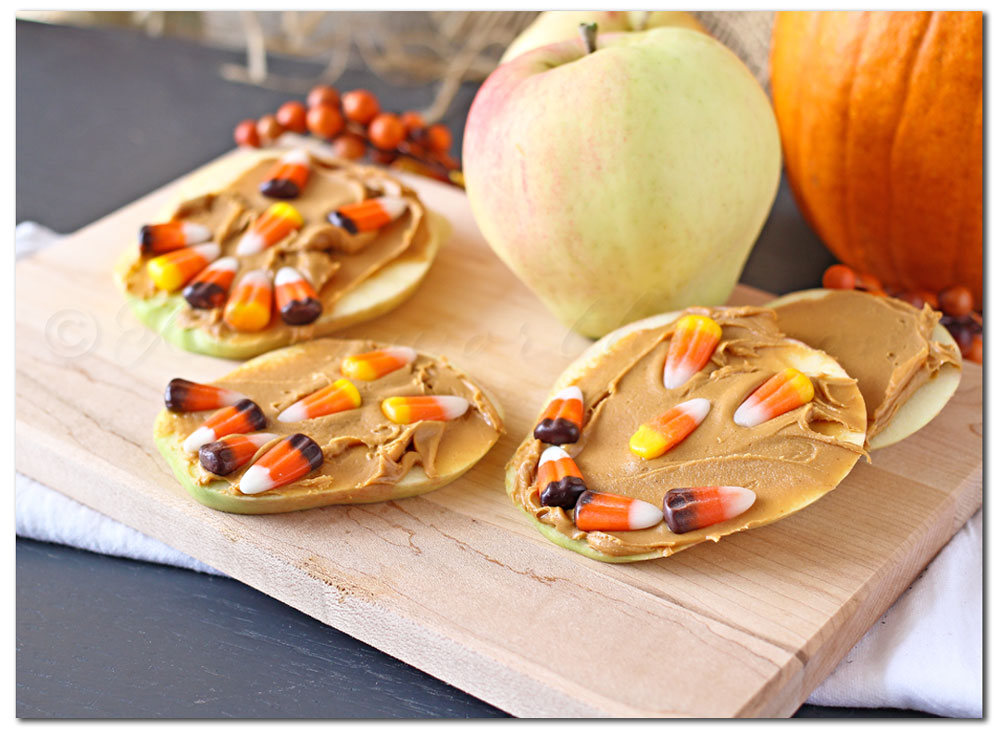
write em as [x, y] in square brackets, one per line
[334, 260]
[788, 461]
[883, 342]
[365, 454]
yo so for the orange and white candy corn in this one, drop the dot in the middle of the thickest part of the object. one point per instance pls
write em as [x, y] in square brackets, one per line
[208, 289]
[289, 460]
[174, 270]
[295, 297]
[182, 396]
[692, 508]
[368, 215]
[160, 238]
[410, 409]
[374, 364]
[604, 511]
[562, 419]
[242, 418]
[232, 452]
[785, 390]
[274, 224]
[249, 306]
[666, 431]
[341, 395]
[558, 480]
[288, 177]
[691, 346]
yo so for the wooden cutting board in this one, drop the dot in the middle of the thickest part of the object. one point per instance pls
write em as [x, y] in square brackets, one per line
[457, 582]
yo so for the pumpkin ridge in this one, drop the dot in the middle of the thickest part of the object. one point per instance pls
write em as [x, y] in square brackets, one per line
[851, 240]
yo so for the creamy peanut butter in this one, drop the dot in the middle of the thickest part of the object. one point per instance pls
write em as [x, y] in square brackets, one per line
[883, 342]
[788, 461]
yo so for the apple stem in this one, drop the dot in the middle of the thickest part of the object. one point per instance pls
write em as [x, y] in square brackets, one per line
[589, 33]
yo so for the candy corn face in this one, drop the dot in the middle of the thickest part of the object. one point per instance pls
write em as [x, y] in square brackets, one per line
[410, 409]
[232, 452]
[368, 215]
[288, 177]
[666, 431]
[374, 364]
[160, 238]
[606, 512]
[287, 461]
[182, 396]
[172, 271]
[249, 306]
[208, 289]
[341, 395]
[779, 394]
[692, 508]
[243, 418]
[562, 419]
[271, 227]
[558, 481]
[296, 299]
[691, 346]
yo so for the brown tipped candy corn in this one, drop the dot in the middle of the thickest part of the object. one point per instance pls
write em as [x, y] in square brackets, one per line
[604, 511]
[341, 395]
[208, 289]
[174, 270]
[243, 418]
[182, 396]
[558, 481]
[691, 346]
[785, 390]
[691, 508]
[666, 431]
[410, 409]
[295, 297]
[374, 364]
[287, 461]
[368, 215]
[249, 306]
[160, 238]
[562, 419]
[232, 452]
[271, 226]
[288, 177]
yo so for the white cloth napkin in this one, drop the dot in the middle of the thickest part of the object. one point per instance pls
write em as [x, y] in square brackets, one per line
[924, 654]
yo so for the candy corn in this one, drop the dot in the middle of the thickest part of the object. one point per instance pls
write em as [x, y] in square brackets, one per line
[232, 452]
[409, 409]
[182, 396]
[172, 271]
[666, 431]
[209, 289]
[559, 482]
[374, 364]
[290, 459]
[692, 508]
[249, 306]
[159, 238]
[562, 419]
[271, 226]
[782, 392]
[288, 177]
[341, 395]
[604, 511]
[296, 299]
[691, 345]
[242, 418]
[368, 215]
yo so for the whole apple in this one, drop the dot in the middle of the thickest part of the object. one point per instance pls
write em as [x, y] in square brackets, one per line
[626, 181]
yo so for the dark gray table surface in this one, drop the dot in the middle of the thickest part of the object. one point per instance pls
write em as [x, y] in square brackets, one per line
[104, 117]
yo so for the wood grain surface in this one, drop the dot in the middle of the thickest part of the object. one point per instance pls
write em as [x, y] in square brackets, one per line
[457, 582]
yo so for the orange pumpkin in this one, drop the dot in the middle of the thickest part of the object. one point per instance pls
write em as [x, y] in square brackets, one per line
[881, 119]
